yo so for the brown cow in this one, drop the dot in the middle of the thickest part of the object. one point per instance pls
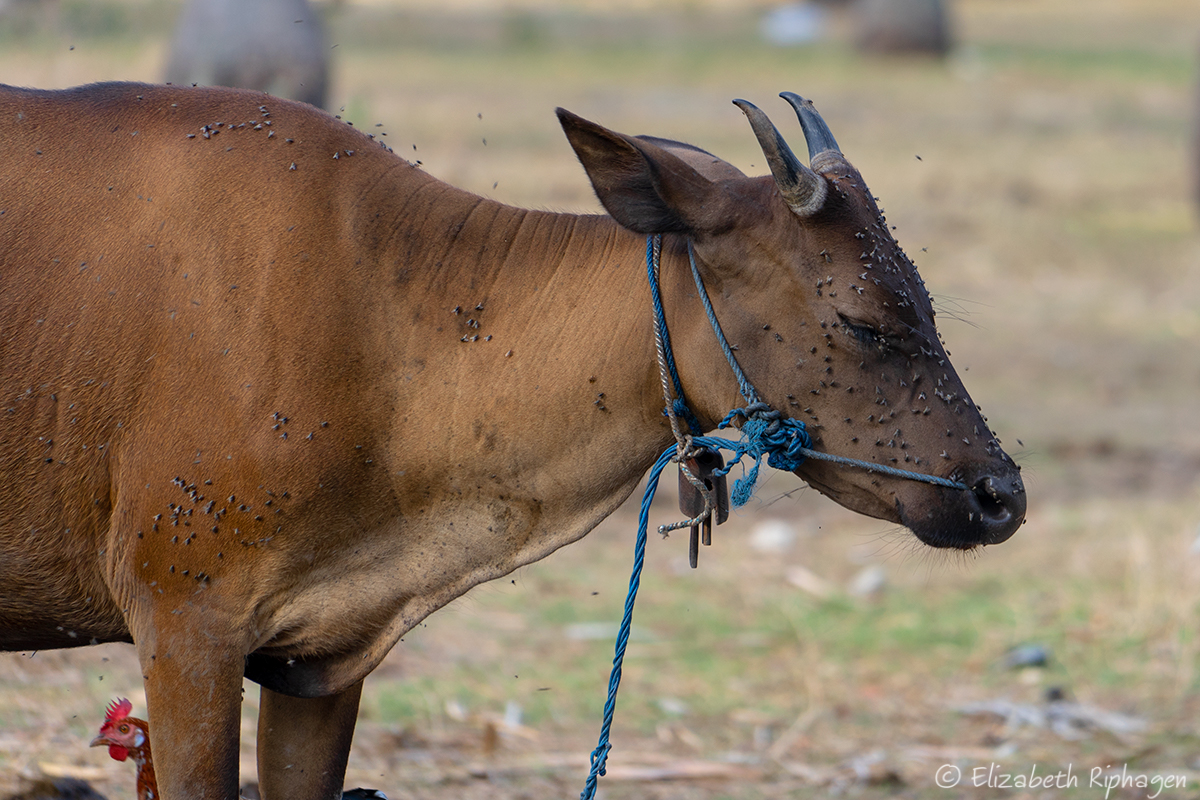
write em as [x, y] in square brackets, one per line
[271, 394]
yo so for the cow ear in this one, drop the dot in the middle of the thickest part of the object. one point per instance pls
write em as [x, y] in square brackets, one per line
[644, 188]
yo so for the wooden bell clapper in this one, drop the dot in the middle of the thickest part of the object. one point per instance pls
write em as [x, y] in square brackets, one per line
[702, 464]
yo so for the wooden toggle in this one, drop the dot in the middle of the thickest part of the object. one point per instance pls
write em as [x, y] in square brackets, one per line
[691, 501]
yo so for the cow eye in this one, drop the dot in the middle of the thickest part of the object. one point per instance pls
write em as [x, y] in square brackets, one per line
[864, 332]
[870, 336]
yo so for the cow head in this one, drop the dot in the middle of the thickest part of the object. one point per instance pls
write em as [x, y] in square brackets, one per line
[830, 319]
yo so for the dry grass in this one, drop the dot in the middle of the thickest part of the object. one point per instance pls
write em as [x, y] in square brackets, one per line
[1050, 213]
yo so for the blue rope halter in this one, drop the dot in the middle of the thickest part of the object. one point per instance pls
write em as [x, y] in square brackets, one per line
[765, 433]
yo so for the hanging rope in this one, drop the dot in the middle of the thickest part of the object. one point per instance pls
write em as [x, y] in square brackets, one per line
[600, 754]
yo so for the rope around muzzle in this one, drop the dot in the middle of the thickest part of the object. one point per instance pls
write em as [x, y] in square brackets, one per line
[765, 433]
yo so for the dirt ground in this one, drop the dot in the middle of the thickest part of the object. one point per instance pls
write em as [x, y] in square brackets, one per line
[1040, 176]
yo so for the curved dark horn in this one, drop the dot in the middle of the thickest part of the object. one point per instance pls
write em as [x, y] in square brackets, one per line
[802, 189]
[816, 132]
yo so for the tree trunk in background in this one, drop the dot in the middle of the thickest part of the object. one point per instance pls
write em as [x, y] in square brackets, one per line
[902, 26]
[23, 18]
[275, 46]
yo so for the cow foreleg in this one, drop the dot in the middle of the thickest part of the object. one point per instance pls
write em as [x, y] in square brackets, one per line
[194, 695]
[304, 744]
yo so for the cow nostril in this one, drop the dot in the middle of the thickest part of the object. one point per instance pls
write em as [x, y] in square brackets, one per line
[998, 503]
[989, 497]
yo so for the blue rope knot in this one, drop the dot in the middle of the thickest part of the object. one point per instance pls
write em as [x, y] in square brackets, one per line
[765, 432]
[600, 756]
[598, 770]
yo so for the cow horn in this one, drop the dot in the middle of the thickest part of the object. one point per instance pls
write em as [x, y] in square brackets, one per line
[816, 132]
[802, 189]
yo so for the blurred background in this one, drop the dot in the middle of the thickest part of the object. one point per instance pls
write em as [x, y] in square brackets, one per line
[1039, 160]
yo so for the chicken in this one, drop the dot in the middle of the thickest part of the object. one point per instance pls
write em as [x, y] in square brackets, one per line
[128, 736]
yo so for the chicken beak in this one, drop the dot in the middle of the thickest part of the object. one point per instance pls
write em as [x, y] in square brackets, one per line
[100, 741]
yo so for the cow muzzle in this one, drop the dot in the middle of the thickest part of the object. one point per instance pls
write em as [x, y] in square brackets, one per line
[989, 513]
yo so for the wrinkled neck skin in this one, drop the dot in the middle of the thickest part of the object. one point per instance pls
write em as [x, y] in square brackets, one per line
[533, 334]
[565, 399]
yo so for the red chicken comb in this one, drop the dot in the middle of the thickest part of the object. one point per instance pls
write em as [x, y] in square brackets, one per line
[118, 710]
